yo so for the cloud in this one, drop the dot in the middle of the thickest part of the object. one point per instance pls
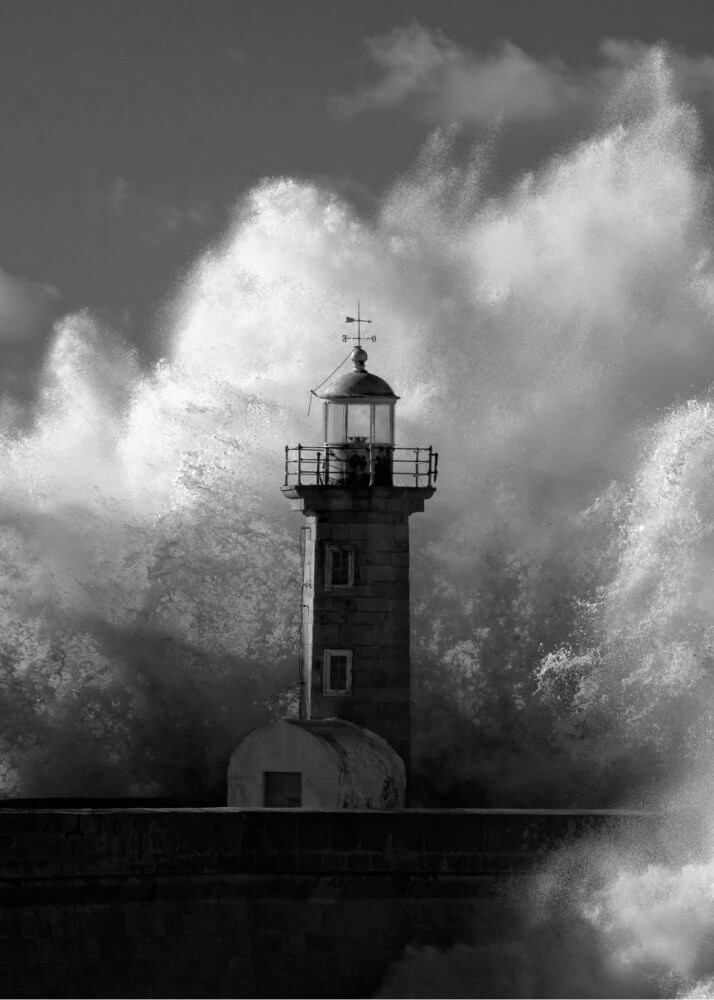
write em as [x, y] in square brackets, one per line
[152, 220]
[446, 82]
[25, 308]
[428, 74]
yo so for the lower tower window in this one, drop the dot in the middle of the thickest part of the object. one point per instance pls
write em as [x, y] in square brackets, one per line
[337, 671]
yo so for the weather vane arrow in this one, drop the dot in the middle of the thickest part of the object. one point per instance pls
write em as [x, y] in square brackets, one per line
[359, 321]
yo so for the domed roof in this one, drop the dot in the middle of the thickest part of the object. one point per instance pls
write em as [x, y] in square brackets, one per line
[358, 382]
[355, 383]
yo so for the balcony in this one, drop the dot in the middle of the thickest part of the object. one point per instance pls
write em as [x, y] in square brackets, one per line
[360, 465]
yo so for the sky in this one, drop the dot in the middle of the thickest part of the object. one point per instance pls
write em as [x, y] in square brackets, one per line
[130, 129]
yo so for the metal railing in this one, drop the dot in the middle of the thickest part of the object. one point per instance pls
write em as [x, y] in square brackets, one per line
[359, 465]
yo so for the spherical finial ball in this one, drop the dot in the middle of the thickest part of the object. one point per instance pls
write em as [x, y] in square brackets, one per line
[358, 356]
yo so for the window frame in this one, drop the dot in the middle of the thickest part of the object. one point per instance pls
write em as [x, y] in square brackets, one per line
[330, 547]
[326, 667]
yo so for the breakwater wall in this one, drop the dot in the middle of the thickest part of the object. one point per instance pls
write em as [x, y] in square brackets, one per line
[152, 902]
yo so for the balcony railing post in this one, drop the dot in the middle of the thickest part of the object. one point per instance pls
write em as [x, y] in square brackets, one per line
[299, 463]
[371, 465]
[287, 452]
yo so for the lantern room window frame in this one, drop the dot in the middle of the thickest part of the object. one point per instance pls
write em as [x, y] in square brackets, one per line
[365, 401]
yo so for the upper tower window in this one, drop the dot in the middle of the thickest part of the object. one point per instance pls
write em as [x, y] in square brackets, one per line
[339, 567]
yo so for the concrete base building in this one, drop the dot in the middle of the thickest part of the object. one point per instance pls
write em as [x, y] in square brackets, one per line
[318, 764]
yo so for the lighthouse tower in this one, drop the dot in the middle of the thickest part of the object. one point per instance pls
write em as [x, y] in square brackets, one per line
[357, 491]
[350, 748]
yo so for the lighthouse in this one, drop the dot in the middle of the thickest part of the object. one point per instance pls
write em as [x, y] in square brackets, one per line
[356, 490]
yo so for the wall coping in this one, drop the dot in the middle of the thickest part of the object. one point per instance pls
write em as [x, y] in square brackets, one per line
[85, 843]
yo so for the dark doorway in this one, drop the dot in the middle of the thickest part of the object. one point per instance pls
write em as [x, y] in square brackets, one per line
[283, 789]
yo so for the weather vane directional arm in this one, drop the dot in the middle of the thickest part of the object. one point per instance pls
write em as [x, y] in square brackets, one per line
[359, 321]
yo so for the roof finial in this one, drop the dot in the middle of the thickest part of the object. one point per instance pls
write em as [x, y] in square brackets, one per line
[359, 355]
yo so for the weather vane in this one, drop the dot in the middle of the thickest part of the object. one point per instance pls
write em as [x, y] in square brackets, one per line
[359, 321]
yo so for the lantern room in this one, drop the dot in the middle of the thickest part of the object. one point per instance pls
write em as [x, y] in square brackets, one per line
[358, 414]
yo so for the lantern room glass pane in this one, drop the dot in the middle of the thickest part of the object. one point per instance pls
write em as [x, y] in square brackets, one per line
[358, 421]
[335, 423]
[383, 424]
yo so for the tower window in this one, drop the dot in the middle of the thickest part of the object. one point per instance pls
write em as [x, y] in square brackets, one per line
[337, 672]
[339, 567]
[283, 789]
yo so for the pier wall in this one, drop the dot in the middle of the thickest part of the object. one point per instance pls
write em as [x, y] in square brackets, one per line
[227, 902]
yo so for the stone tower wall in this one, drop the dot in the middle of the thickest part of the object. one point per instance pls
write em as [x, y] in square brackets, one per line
[371, 617]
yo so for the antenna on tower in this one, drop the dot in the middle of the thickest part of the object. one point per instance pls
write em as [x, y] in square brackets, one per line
[359, 321]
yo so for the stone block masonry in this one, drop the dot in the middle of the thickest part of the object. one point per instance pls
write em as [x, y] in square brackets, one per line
[369, 618]
[245, 903]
